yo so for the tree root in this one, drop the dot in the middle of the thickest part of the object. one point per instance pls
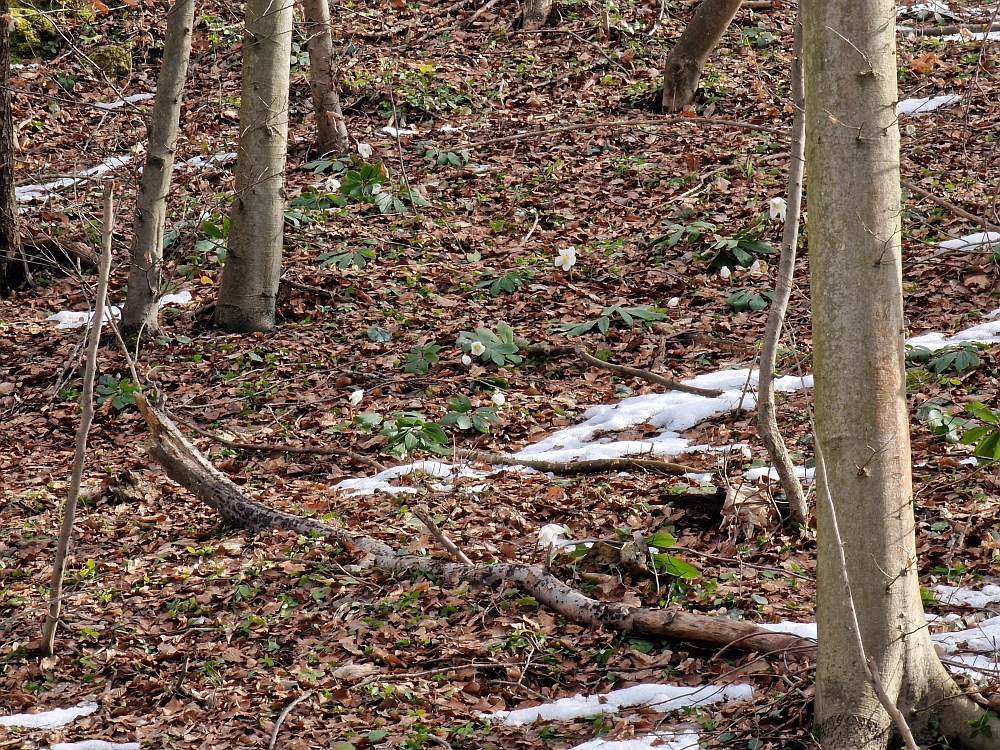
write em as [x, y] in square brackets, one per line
[544, 350]
[185, 465]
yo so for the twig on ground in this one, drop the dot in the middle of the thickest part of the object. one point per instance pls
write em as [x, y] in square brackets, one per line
[47, 646]
[663, 121]
[592, 466]
[281, 718]
[545, 350]
[317, 450]
[975, 28]
[425, 517]
[957, 210]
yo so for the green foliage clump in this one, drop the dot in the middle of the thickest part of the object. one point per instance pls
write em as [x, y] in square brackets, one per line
[113, 60]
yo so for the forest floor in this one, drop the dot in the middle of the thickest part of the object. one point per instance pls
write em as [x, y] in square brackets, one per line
[190, 634]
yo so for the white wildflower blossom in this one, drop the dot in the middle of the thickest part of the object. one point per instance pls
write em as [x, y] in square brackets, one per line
[776, 208]
[550, 534]
[365, 150]
[566, 258]
[332, 185]
[477, 348]
[376, 189]
[724, 272]
[498, 399]
[356, 396]
[673, 301]
[466, 360]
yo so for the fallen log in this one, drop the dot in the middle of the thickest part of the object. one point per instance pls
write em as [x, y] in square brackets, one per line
[188, 467]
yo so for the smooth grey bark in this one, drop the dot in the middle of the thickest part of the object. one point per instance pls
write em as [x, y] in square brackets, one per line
[688, 57]
[10, 238]
[331, 130]
[141, 312]
[253, 259]
[536, 13]
[767, 421]
[862, 421]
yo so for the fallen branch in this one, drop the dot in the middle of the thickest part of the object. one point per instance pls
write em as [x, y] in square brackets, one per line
[425, 518]
[591, 466]
[186, 466]
[957, 210]
[316, 450]
[545, 350]
[626, 124]
[975, 28]
[281, 718]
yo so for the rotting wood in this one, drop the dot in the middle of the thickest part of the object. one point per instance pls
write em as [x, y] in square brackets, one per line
[186, 466]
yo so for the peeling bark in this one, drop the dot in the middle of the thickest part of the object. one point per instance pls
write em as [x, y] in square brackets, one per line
[186, 466]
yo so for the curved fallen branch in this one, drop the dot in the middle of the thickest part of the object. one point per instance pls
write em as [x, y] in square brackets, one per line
[186, 466]
[957, 210]
[590, 466]
[316, 450]
[545, 350]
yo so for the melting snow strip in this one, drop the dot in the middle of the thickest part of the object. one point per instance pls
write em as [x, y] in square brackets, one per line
[57, 717]
[925, 104]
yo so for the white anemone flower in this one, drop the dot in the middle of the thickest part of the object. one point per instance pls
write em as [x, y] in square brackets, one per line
[356, 396]
[365, 150]
[376, 189]
[724, 272]
[776, 208]
[566, 258]
[498, 399]
[673, 301]
[550, 534]
[332, 185]
[477, 348]
[466, 360]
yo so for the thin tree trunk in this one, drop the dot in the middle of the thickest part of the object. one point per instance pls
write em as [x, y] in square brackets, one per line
[331, 130]
[862, 420]
[253, 258]
[536, 13]
[86, 417]
[141, 308]
[10, 239]
[767, 422]
[688, 57]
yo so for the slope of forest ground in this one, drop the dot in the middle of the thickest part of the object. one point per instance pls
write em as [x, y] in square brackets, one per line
[194, 635]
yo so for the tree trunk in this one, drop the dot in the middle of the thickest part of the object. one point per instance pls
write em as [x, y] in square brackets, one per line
[862, 422]
[141, 308]
[253, 258]
[536, 13]
[331, 130]
[689, 55]
[11, 272]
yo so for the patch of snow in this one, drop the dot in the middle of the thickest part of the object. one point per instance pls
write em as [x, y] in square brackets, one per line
[80, 318]
[801, 629]
[95, 745]
[40, 192]
[984, 638]
[686, 740]
[52, 719]
[928, 6]
[661, 698]
[984, 333]
[215, 160]
[973, 36]
[395, 132]
[771, 473]
[380, 481]
[127, 100]
[970, 242]
[981, 599]
[925, 104]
